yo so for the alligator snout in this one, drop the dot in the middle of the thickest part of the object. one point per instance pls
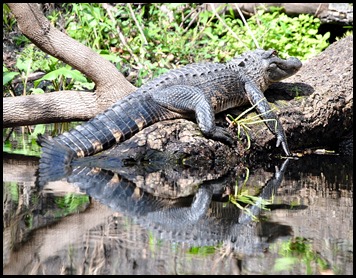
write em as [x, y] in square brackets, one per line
[295, 63]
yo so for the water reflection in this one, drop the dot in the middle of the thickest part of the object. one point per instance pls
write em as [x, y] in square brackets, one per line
[191, 228]
[183, 220]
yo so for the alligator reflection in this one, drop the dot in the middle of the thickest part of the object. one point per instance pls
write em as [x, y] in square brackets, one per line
[204, 220]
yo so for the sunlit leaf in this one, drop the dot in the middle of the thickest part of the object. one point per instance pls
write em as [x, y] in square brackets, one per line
[68, 73]
[8, 77]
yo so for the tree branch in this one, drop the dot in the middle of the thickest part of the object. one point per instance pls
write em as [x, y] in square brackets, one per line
[111, 85]
[45, 108]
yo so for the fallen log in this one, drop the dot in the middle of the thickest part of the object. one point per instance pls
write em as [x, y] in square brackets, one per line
[334, 13]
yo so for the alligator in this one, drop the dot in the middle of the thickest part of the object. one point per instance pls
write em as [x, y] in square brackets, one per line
[197, 91]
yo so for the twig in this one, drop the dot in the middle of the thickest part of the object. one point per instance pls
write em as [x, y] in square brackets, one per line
[30, 77]
[248, 27]
[226, 26]
[137, 24]
[202, 30]
[121, 36]
[26, 77]
[195, 15]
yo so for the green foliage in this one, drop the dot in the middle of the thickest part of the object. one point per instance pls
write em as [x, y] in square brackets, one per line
[243, 123]
[296, 36]
[156, 37]
[243, 199]
[62, 76]
[71, 203]
[35, 59]
[89, 24]
[59, 77]
[8, 20]
[31, 60]
[298, 250]
[8, 76]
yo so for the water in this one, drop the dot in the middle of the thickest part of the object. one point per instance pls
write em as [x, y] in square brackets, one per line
[123, 228]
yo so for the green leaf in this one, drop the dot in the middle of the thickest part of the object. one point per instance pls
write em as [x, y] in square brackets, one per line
[8, 77]
[68, 73]
[36, 91]
[312, 32]
[39, 129]
[23, 65]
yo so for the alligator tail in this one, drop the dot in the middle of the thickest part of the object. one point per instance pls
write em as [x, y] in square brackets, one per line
[55, 160]
[118, 123]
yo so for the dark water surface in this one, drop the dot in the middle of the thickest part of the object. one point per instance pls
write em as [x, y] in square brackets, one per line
[115, 221]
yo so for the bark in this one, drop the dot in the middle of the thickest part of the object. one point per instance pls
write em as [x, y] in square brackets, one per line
[336, 13]
[110, 84]
[49, 108]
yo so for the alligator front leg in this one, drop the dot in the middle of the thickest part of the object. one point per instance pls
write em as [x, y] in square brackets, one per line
[188, 100]
[256, 97]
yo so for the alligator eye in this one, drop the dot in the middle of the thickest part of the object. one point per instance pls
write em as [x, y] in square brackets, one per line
[274, 53]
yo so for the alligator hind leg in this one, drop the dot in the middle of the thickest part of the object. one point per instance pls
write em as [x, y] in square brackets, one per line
[187, 100]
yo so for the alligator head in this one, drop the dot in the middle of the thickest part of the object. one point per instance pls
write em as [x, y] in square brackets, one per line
[265, 67]
[277, 68]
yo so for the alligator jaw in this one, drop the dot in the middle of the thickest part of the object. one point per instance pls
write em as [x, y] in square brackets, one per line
[280, 69]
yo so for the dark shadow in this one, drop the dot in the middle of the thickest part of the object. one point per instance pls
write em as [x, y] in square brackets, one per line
[288, 91]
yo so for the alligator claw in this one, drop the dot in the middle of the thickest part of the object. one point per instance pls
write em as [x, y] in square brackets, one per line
[281, 139]
[222, 135]
[286, 149]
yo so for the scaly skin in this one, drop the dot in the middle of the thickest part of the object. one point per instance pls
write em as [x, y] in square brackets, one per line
[195, 91]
